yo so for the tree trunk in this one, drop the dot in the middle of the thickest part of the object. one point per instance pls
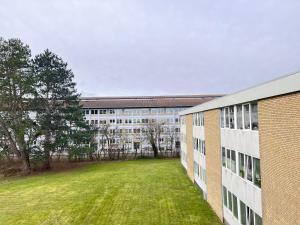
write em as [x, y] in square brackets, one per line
[47, 152]
[155, 150]
[26, 167]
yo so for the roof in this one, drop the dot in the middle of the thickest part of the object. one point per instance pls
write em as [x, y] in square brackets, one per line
[280, 86]
[145, 101]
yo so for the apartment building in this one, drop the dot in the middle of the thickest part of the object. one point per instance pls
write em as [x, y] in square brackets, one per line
[130, 115]
[243, 151]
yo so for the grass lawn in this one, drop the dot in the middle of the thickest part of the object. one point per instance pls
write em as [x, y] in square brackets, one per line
[140, 192]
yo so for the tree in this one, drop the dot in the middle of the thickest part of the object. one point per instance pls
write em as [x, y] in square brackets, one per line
[152, 132]
[59, 115]
[123, 142]
[16, 94]
[171, 138]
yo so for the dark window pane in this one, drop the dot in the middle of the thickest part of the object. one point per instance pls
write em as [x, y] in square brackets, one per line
[249, 168]
[227, 117]
[223, 157]
[246, 117]
[257, 177]
[233, 161]
[235, 206]
[258, 220]
[230, 200]
[254, 116]
[228, 158]
[243, 213]
[250, 216]
[241, 165]
[239, 117]
[225, 196]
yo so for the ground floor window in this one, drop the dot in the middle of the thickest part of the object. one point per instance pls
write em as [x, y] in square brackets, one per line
[230, 201]
[235, 206]
[225, 196]
[243, 213]
[258, 220]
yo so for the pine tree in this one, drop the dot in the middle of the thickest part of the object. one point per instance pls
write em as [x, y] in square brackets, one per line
[59, 115]
[16, 95]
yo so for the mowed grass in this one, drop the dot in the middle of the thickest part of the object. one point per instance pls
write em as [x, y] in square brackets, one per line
[156, 192]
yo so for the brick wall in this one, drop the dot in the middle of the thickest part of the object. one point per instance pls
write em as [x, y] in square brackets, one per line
[213, 160]
[279, 133]
[189, 146]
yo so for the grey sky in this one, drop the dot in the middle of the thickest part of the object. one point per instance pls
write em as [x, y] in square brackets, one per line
[153, 47]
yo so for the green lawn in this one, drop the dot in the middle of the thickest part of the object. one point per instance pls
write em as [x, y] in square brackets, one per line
[142, 192]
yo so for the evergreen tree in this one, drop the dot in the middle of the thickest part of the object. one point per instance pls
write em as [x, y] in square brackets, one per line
[59, 115]
[16, 94]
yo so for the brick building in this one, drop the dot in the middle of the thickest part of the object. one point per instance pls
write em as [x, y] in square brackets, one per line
[243, 151]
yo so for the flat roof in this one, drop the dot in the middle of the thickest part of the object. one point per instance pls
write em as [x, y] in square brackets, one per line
[145, 101]
[280, 86]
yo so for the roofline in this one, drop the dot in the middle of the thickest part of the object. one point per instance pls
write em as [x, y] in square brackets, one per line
[149, 97]
[279, 86]
[139, 107]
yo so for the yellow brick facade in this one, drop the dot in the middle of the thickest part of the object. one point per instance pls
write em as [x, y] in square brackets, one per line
[279, 134]
[213, 160]
[189, 146]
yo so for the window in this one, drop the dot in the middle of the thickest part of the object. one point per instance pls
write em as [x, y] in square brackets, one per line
[223, 157]
[242, 165]
[222, 117]
[233, 161]
[228, 158]
[235, 206]
[246, 116]
[257, 177]
[196, 168]
[111, 111]
[239, 116]
[249, 168]
[102, 121]
[227, 117]
[250, 216]
[254, 116]
[102, 111]
[231, 117]
[258, 220]
[230, 201]
[243, 213]
[225, 196]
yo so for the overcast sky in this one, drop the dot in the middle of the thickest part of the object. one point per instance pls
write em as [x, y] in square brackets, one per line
[158, 47]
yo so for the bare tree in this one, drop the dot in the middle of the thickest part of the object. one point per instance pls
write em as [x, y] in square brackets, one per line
[152, 133]
[123, 141]
[103, 134]
[171, 137]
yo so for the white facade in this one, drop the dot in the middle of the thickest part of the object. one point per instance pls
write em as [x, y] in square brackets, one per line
[183, 147]
[240, 151]
[132, 121]
[199, 151]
